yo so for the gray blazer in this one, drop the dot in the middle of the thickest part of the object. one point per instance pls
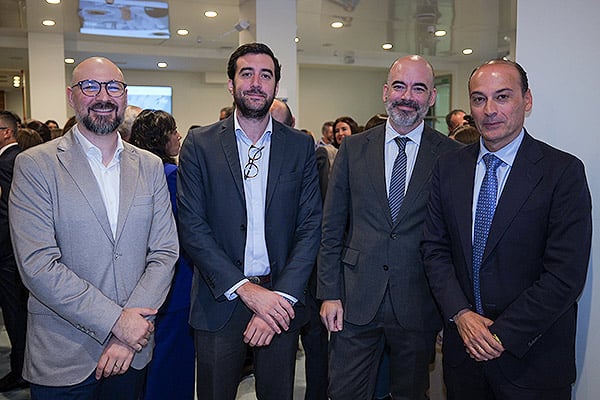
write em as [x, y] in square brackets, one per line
[80, 278]
[362, 251]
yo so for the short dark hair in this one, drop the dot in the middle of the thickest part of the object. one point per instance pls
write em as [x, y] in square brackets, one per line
[40, 128]
[150, 131]
[517, 66]
[8, 118]
[451, 114]
[252, 48]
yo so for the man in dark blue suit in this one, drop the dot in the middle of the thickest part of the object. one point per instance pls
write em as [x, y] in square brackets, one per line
[508, 292]
[13, 295]
[250, 213]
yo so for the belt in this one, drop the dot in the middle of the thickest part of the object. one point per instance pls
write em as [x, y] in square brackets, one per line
[260, 280]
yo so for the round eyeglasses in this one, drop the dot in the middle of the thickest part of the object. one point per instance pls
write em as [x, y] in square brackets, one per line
[92, 88]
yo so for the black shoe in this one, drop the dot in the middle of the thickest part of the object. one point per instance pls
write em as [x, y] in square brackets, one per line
[12, 381]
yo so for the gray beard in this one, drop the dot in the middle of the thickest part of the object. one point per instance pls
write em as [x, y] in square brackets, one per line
[102, 125]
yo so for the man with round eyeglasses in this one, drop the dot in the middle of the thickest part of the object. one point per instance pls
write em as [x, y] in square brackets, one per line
[96, 243]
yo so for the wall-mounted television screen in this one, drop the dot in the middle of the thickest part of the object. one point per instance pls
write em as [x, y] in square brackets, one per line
[125, 18]
[153, 97]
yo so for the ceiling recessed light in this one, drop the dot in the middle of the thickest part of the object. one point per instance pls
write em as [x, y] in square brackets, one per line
[162, 64]
[210, 14]
[296, 39]
[183, 32]
[337, 24]
[48, 22]
[467, 51]
[440, 33]
[69, 61]
[53, 1]
[387, 46]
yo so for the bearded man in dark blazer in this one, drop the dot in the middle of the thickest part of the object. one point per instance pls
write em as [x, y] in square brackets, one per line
[509, 297]
[370, 274]
[250, 218]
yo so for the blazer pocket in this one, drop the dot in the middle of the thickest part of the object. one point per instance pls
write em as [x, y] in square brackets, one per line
[142, 200]
[350, 257]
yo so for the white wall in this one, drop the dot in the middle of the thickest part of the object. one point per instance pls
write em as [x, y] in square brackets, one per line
[557, 45]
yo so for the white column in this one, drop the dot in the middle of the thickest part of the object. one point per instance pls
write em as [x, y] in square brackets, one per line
[273, 22]
[561, 55]
[46, 84]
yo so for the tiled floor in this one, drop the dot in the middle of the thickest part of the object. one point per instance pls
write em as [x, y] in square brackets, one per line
[246, 389]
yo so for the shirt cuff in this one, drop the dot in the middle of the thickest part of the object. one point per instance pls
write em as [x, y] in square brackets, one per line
[291, 299]
[231, 294]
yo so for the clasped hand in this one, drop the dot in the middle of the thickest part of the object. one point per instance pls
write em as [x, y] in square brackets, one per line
[272, 308]
[133, 329]
[480, 343]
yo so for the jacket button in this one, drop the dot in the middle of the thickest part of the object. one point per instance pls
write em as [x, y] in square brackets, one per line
[238, 263]
[242, 227]
[385, 267]
[394, 235]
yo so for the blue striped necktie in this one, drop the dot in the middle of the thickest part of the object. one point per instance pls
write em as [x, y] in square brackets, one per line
[486, 206]
[398, 180]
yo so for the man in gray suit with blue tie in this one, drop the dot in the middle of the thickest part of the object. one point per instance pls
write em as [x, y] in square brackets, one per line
[95, 242]
[370, 274]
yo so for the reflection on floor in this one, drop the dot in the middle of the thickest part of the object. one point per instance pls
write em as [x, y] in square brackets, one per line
[246, 389]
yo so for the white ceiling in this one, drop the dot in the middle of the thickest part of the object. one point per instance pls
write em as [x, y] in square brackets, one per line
[487, 26]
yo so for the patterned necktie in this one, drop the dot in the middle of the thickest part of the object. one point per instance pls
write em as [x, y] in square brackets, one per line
[398, 180]
[486, 205]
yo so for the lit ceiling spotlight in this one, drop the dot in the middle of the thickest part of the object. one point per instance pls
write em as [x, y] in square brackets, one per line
[440, 33]
[467, 51]
[162, 64]
[183, 32]
[337, 24]
[387, 46]
[210, 14]
[16, 81]
[69, 61]
[48, 22]
[53, 1]
[296, 39]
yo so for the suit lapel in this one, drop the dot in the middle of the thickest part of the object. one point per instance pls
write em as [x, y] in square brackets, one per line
[71, 156]
[230, 150]
[463, 179]
[428, 153]
[374, 163]
[130, 171]
[276, 157]
[524, 176]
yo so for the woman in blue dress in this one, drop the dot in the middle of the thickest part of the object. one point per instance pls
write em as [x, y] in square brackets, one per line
[171, 372]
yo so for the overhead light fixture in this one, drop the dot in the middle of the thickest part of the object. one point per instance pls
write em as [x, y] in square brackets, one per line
[387, 46]
[467, 51]
[210, 14]
[69, 61]
[440, 33]
[337, 24]
[162, 64]
[48, 22]
[16, 81]
[296, 39]
[53, 1]
[183, 32]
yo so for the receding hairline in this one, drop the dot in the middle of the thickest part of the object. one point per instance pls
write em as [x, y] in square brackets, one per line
[412, 58]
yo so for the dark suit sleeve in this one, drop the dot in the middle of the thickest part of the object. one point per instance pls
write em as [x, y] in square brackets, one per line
[323, 169]
[564, 265]
[335, 218]
[437, 253]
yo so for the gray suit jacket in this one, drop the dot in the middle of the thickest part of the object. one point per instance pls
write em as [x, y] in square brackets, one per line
[362, 251]
[79, 276]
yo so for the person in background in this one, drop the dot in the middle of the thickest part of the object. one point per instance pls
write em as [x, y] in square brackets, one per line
[370, 275]
[13, 295]
[454, 119]
[506, 248]
[342, 127]
[96, 243]
[281, 112]
[28, 138]
[131, 112]
[69, 124]
[52, 124]
[172, 367]
[326, 134]
[40, 128]
[225, 112]
[250, 217]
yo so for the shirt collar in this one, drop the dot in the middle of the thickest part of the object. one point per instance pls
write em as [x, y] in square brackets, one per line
[242, 135]
[414, 135]
[92, 150]
[507, 154]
